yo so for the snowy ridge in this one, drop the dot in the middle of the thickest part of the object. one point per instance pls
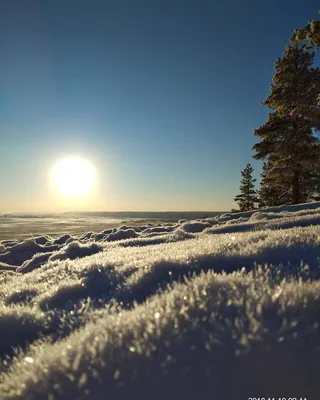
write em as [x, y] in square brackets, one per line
[174, 310]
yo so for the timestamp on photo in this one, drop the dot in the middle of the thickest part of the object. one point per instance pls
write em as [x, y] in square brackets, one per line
[277, 398]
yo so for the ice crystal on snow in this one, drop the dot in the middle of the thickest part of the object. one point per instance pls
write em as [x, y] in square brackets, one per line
[175, 311]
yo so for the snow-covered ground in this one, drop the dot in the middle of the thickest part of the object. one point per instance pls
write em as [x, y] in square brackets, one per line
[53, 225]
[218, 308]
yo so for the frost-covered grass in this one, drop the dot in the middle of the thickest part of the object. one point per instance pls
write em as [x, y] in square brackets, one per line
[219, 308]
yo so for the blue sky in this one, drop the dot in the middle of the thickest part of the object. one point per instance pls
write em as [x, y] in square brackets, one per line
[161, 96]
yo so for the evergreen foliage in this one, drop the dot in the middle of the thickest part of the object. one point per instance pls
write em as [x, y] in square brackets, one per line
[310, 33]
[271, 195]
[248, 195]
[288, 144]
[295, 87]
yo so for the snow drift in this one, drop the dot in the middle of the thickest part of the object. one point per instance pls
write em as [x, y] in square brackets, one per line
[219, 308]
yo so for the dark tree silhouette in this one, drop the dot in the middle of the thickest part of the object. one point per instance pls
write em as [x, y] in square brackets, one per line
[288, 144]
[248, 195]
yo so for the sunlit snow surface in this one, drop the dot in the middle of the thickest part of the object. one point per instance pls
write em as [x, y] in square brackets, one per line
[218, 308]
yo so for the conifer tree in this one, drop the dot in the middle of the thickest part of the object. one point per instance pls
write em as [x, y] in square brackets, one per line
[248, 195]
[295, 87]
[271, 195]
[288, 144]
[310, 33]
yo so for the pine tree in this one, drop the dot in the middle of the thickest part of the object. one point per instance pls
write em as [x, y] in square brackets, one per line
[311, 33]
[290, 155]
[295, 87]
[248, 196]
[314, 178]
[288, 144]
[271, 195]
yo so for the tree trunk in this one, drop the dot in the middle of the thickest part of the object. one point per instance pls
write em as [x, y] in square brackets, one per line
[296, 187]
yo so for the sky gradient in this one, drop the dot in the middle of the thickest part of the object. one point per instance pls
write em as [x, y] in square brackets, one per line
[161, 96]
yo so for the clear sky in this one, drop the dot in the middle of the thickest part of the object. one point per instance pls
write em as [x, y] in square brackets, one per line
[161, 96]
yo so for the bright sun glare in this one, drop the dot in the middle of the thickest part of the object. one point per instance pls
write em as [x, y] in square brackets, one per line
[73, 176]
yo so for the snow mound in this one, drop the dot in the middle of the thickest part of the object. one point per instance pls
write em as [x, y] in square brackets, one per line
[122, 234]
[43, 240]
[157, 229]
[23, 251]
[62, 239]
[76, 250]
[259, 216]
[35, 262]
[175, 311]
[195, 226]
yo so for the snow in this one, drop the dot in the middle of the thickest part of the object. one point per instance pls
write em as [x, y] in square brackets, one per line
[219, 308]
[194, 227]
[76, 250]
[122, 234]
[62, 239]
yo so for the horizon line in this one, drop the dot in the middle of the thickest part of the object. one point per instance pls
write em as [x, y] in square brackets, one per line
[113, 211]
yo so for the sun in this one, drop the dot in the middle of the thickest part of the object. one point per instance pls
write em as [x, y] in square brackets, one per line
[73, 176]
